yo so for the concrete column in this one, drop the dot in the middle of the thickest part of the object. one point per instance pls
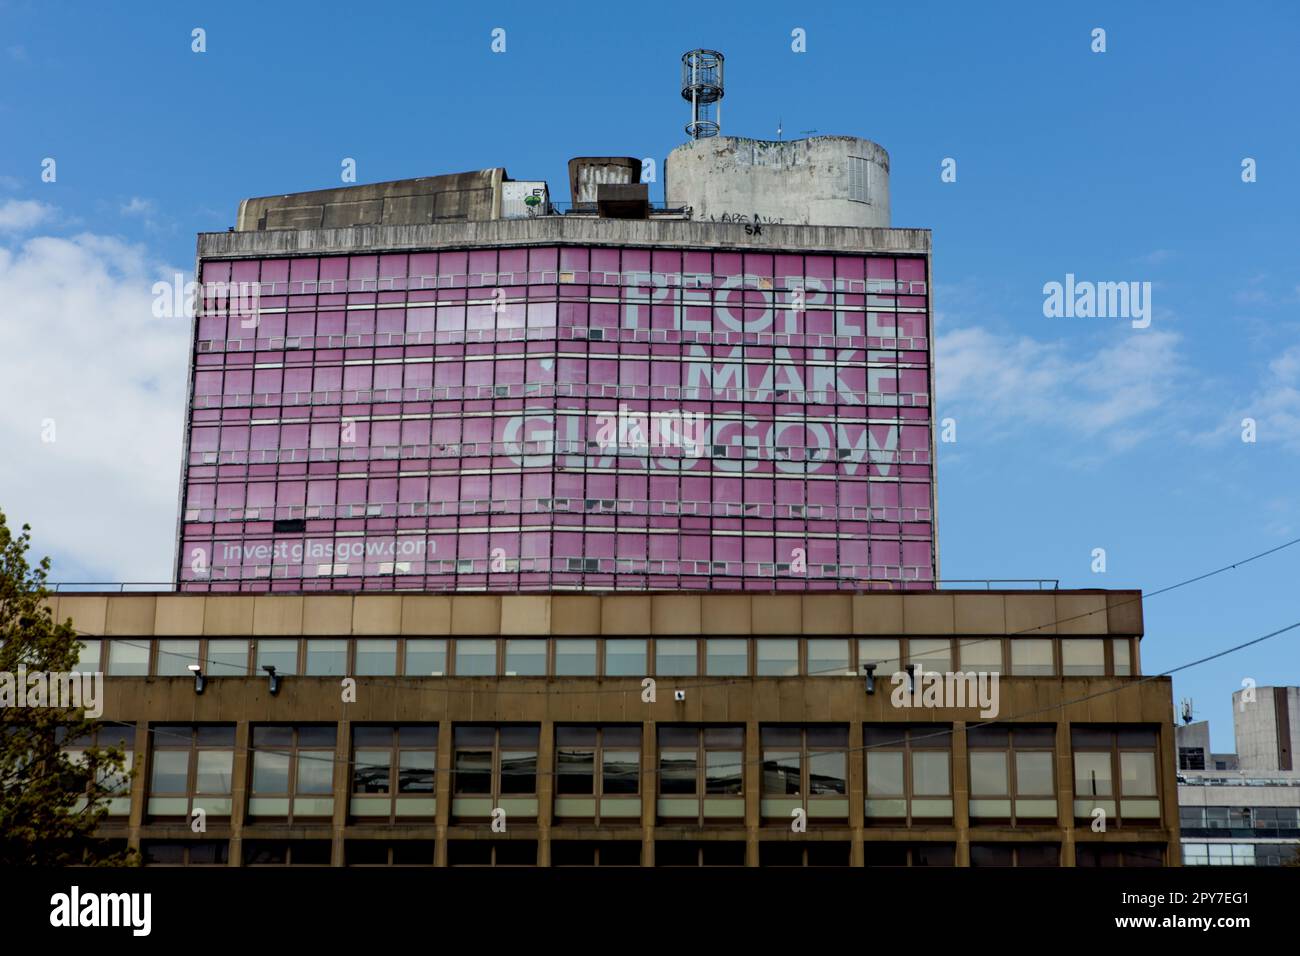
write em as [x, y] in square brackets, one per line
[442, 789]
[752, 784]
[857, 792]
[1167, 751]
[545, 790]
[649, 793]
[241, 775]
[140, 751]
[342, 787]
[961, 793]
[1065, 790]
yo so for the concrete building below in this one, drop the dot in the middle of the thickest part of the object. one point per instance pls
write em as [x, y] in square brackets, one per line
[659, 729]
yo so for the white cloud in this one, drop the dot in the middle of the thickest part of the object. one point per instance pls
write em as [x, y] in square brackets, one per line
[1002, 383]
[20, 215]
[137, 207]
[82, 348]
[1275, 405]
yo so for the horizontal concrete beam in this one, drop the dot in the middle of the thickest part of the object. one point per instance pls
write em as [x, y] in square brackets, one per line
[930, 613]
[551, 230]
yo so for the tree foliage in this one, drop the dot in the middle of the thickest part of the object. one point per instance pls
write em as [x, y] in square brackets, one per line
[51, 803]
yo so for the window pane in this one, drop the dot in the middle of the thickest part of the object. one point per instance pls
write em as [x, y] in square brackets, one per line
[930, 654]
[985, 655]
[376, 656]
[1083, 656]
[175, 657]
[1031, 657]
[327, 657]
[316, 771]
[575, 771]
[170, 771]
[88, 661]
[677, 772]
[827, 773]
[426, 658]
[1034, 773]
[526, 657]
[930, 774]
[1138, 771]
[128, 658]
[475, 657]
[988, 773]
[227, 658]
[885, 773]
[675, 656]
[212, 774]
[625, 657]
[372, 771]
[726, 657]
[879, 651]
[828, 657]
[782, 770]
[1092, 775]
[777, 656]
[270, 772]
[415, 770]
[281, 654]
[724, 771]
[473, 771]
[622, 771]
[518, 771]
[575, 656]
[1120, 648]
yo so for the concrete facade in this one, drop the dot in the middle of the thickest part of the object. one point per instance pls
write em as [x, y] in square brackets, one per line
[457, 197]
[827, 180]
[1267, 727]
[546, 825]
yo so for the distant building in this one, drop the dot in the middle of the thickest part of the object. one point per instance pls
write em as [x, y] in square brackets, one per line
[1242, 809]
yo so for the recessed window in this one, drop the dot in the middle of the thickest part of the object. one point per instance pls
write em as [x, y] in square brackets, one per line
[828, 657]
[293, 771]
[176, 656]
[128, 658]
[475, 657]
[908, 773]
[726, 656]
[777, 657]
[227, 658]
[1083, 657]
[883, 652]
[575, 657]
[280, 654]
[327, 657]
[625, 657]
[426, 657]
[1032, 657]
[675, 656]
[376, 656]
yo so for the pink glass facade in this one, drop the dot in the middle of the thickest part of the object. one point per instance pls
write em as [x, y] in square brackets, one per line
[548, 418]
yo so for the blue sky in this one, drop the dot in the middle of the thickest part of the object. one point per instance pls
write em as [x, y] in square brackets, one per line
[1072, 434]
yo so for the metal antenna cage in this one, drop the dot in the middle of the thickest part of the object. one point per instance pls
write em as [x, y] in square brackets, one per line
[702, 88]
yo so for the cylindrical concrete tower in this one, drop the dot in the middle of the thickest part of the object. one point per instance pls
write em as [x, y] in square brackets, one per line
[823, 180]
